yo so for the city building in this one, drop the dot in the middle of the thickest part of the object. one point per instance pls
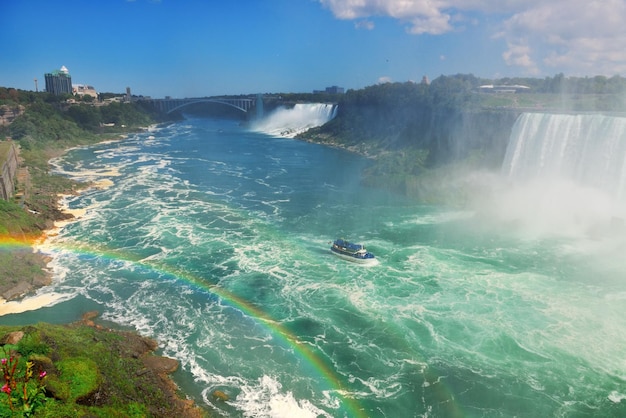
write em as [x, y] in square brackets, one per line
[84, 90]
[331, 90]
[334, 90]
[506, 88]
[59, 81]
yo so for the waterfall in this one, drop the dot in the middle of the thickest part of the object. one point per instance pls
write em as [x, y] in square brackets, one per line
[564, 175]
[289, 122]
[588, 150]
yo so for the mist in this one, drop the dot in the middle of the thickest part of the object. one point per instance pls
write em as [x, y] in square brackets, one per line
[562, 176]
[289, 122]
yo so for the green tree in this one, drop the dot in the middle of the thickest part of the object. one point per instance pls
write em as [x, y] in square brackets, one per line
[86, 116]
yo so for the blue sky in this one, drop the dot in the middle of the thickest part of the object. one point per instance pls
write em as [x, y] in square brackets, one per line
[192, 48]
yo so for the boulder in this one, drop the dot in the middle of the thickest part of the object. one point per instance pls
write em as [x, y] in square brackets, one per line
[160, 364]
[12, 338]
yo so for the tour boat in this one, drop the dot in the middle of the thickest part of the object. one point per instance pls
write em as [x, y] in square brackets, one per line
[352, 252]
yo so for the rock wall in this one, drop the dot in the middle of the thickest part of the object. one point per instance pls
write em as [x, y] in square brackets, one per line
[9, 113]
[481, 134]
[8, 169]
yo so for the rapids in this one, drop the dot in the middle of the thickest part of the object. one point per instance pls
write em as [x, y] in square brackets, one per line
[214, 240]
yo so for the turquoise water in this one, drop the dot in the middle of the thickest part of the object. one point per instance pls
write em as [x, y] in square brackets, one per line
[214, 240]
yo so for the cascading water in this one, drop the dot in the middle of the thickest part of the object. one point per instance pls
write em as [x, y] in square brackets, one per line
[289, 122]
[590, 150]
[564, 174]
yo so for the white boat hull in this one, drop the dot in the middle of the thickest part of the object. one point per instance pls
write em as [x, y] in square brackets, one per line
[364, 261]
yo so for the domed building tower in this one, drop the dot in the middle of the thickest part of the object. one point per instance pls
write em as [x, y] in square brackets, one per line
[59, 81]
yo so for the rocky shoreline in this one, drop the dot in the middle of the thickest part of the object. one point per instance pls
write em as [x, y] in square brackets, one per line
[146, 376]
[18, 287]
[157, 366]
[23, 247]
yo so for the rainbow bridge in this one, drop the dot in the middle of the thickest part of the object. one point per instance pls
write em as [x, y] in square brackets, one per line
[169, 105]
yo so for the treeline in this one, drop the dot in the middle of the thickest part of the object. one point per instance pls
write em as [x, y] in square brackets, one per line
[47, 118]
[396, 116]
[415, 129]
[560, 84]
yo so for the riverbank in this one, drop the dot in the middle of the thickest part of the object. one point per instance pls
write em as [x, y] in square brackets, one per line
[23, 271]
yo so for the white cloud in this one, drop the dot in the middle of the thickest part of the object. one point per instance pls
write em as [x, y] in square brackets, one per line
[364, 24]
[384, 79]
[425, 16]
[519, 54]
[577, 37]
[584, 38]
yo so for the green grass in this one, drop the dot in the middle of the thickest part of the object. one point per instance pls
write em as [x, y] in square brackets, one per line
[78, 377]
[90, 372]
[15, 220]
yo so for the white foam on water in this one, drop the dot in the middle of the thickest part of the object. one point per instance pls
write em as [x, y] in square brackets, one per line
[438, 218]
[616, 396]
[266, 398]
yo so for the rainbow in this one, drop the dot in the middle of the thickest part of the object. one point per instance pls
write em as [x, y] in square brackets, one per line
[351, 406]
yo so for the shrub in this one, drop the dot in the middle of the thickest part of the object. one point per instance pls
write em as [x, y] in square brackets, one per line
[23, 389]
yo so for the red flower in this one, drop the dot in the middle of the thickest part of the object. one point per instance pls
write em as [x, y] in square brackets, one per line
[6, 389]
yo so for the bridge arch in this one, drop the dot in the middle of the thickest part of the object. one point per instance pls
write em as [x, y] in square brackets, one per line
[243, 104]
[171, 105]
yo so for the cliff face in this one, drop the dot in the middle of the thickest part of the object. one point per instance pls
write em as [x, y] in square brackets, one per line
[8, 169]
[445, 135]
[483, 135]
[415, 148]
[9, 113]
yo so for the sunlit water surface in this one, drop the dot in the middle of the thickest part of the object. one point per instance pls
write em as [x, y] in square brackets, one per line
[215, 241]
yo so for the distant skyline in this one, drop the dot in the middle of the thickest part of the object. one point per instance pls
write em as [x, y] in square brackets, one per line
[192, 48]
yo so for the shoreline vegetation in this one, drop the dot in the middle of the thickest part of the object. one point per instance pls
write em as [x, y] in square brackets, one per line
[23, 243]
[85, 369]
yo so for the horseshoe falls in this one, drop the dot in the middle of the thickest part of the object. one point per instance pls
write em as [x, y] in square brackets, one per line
[567, 172]
[213, 239]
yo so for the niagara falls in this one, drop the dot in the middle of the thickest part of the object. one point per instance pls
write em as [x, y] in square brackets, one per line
[212, 238]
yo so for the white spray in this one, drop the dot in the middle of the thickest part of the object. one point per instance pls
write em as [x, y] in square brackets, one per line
[289, 122]
[563, 175]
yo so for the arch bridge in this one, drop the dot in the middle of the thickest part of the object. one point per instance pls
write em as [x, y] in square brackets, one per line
[170, 105]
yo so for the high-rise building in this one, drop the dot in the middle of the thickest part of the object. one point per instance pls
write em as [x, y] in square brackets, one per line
[59, 81]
